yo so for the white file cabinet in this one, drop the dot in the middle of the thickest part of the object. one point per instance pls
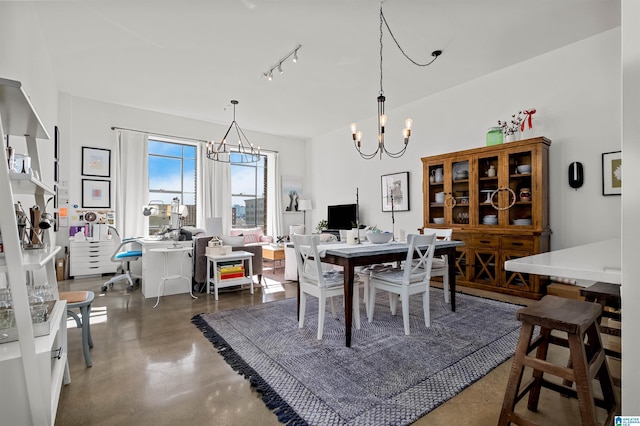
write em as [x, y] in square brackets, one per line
[91, 257]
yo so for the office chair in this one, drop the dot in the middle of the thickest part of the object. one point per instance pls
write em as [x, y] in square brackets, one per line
[124, 257]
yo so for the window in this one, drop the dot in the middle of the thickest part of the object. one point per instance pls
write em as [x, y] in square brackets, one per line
[248, 193]
[172, 173]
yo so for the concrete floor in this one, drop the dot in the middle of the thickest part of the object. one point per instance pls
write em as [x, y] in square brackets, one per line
[153, 367]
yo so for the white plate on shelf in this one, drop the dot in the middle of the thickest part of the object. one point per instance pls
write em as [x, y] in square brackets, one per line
[462, 166]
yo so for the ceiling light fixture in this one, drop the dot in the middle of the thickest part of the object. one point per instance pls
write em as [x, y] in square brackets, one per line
[278, 65]
[222, 151]
[382, 117]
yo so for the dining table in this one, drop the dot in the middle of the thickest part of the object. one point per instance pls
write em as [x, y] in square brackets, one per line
[350, 256]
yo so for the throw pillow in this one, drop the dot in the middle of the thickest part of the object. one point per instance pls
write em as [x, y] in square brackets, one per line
[251, 238]
[233, 241]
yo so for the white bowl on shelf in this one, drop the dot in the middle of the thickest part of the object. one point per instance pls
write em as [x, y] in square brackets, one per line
[439, 197]
[524, 168]
[379, 237]
[438, 220]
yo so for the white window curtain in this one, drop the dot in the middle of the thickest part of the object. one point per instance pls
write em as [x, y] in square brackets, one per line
[214, 200]
[274, 198]
[131, 163]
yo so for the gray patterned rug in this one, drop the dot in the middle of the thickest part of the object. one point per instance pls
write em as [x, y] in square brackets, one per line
[385, 378]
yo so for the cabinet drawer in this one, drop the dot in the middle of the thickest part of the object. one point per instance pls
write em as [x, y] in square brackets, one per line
[517, 243]
[492, 241]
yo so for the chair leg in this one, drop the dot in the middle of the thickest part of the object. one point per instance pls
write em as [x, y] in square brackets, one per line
[86, 334]
[365, 280]
[322, 306]
[356, 306]
[445, 282]
[303, 305]
[405, 310]
[425, 307]
[372, 298]
[393, 302]
[333, 307]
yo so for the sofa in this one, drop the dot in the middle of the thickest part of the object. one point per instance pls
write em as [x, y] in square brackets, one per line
[200, 243]
[252, 236]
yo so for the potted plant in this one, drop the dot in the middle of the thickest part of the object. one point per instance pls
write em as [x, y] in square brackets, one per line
[322, 225]
[512, 128]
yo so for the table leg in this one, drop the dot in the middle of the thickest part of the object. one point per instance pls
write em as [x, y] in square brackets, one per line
[451, 259]
[348, 302]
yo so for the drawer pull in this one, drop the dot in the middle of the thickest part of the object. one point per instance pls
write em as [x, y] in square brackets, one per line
[517, 244]
[485, 241]
[57, 353]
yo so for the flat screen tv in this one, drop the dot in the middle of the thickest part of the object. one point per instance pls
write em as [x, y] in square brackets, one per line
[342, 216]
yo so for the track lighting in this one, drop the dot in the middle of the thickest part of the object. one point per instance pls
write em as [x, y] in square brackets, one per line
[278, 65]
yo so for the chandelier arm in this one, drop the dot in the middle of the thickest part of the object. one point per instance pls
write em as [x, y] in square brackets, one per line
[363, 155]
[223, 141]
[434, 54]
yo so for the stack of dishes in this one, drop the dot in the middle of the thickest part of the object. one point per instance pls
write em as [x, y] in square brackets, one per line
[490, 219]
[439, 198]
[522, 222]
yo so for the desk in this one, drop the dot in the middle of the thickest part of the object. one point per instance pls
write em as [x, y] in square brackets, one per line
[166, 276]
[599, 261]
[152, 270]
[212, 262]
[350, 256]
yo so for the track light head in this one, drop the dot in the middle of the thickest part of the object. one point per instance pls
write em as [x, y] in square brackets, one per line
[270, 76]
[280, 68]
[295, 56]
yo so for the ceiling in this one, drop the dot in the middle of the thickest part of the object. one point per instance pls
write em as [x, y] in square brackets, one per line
[190, 58]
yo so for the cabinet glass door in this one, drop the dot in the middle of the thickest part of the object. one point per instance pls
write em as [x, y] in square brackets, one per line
[436, 196]
[488, 174]
[458, 198]
[521, 183]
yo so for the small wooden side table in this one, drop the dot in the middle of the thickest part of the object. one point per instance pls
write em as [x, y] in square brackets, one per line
[212, 262]
[273, 254]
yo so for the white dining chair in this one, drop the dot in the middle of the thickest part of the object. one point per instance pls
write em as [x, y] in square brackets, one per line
[412, 277]
[440, 264]
[321, 284]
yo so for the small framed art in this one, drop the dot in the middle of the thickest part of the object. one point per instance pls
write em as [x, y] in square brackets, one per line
[96, 193]
[612, 173]
[96, 162]
[395, 192]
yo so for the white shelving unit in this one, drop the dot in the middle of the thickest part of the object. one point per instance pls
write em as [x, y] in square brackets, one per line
[32, 369]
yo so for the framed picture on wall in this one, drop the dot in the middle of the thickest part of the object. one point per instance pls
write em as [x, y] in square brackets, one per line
[291, 191]
[96, 162]
[612, 173]
[96, 193]
[395, 192]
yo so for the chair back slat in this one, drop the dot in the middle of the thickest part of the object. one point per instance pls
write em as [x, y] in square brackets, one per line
[308, 259]
[419, 257]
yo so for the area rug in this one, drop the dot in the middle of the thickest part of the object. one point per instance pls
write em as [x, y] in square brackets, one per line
[385, 378]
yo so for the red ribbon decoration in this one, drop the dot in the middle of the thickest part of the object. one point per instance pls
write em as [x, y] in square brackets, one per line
[528, 117]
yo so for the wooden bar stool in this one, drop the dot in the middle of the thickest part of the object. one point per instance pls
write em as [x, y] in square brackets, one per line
[579, 320]
[607, 295]
[81, 300]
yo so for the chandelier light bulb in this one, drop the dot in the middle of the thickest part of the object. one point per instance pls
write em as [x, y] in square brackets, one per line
[408, 123]
[406, 132]
[359, 136]
[354, 128]
[383, 120]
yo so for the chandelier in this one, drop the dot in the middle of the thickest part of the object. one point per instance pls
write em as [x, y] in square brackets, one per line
[382, 117]
[244, 150]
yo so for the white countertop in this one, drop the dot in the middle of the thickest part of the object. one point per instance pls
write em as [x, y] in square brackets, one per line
[599, 261]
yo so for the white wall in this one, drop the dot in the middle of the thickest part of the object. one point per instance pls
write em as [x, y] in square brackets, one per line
[86, 122]
[630, 290]
[576, 91]
[23, 57]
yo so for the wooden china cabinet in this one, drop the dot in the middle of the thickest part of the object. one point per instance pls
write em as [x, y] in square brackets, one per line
[496, 199]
